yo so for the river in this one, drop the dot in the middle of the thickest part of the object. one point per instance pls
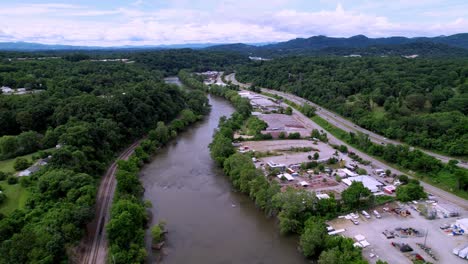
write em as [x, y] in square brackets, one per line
[208, 222]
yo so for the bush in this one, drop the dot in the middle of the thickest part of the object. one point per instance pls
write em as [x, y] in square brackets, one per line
[294, 135]
[343, 149]
[282, 135]
[316, 156]
[157, 232]
[25, 181]
[361, 171]
[2, 197]
[3, 175]
[21, 164]
[12, 180]
[403, 179]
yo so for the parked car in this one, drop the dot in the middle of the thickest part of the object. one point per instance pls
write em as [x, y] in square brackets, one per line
[356, 222]
[377, 214]
[445, 226]
[365, 214]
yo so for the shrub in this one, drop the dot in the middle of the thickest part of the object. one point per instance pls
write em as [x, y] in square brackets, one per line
[157, 232]
[294, 135]
[12, 180]
[403, 179]
[21, 164]
[343, 149]
[2, 197]
[361, 171]
[3, 175]
[316, 156]
[25, 181]
[282, 135]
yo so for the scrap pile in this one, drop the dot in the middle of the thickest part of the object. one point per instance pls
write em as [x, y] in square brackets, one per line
[405, 232]
[428, 250]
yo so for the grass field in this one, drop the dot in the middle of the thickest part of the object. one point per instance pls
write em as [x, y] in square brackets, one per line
[7, 165]
[16, 197]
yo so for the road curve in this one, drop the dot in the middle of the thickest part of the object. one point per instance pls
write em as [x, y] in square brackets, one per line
[95, 242]
[343, 123]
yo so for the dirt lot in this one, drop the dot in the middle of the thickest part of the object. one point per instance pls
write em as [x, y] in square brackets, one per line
[270, 145]
[441, 243]
[323, 149]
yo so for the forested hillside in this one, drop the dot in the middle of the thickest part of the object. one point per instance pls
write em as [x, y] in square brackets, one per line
[419, 101]
[443, 46]
[171, 61]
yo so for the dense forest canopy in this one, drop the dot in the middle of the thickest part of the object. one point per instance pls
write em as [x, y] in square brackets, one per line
[93, 109]
[423, 102]
[171, 61]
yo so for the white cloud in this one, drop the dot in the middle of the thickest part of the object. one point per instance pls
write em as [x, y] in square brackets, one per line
[226, 21]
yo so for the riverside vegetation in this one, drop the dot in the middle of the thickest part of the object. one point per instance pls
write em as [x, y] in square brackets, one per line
[299, 212]
[93, 110]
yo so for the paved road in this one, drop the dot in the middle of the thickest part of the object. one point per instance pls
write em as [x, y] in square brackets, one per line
[96, 240]
[309, 124]
[343, 123]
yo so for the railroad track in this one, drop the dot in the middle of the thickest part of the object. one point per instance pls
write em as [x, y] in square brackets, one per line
[96, 248]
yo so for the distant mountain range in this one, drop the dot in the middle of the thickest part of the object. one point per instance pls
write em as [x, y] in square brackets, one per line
[454, 45]
[28, 46]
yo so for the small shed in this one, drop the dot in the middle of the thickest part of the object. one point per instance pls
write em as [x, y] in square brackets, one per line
[285, 175]
[321, 196]
[364, 243]
[359, 237]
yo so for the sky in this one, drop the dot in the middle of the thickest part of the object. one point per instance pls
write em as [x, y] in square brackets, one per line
[155, 22]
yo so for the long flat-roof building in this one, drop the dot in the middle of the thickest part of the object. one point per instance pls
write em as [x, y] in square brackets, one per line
[370, 183]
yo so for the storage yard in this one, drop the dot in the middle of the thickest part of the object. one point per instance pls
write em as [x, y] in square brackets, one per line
[402, 230]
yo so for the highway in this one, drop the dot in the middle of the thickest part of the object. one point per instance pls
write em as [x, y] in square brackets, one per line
[343, 123]
[95, 243]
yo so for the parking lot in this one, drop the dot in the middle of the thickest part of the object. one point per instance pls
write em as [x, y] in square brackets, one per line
[439, 241]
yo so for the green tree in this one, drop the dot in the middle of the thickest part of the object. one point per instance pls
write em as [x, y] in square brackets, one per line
[160, 133]
[221, 148]
[21, 164]
[8, 146]
[316, 156]
[409, 192]
[356, 196]
[311, 241]
[28, 142]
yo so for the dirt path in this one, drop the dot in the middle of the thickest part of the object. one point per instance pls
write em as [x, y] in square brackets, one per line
[94, 245]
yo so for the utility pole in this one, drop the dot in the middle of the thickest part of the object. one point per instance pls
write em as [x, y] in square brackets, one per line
[425, 238]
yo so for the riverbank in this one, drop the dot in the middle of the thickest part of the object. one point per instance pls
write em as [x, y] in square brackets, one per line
[208, 221]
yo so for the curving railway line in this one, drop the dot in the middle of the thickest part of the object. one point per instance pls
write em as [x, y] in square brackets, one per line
[95, 243]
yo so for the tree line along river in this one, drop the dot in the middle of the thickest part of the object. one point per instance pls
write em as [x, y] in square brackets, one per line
[208, 222]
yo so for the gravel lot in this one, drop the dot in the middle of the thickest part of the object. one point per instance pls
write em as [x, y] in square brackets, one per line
[441, 243]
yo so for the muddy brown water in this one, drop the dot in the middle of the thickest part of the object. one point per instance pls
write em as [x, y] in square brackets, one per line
[208, 222]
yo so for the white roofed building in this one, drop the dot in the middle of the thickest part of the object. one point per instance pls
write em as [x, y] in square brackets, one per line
[370, 183]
